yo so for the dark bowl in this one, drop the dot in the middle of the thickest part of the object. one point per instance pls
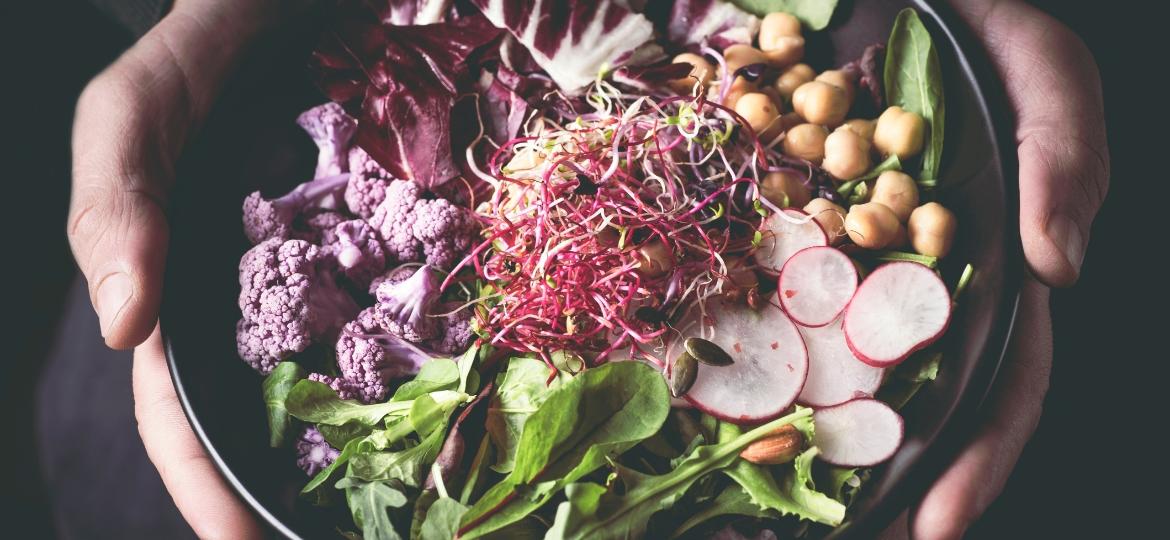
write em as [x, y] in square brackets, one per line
[251, 142]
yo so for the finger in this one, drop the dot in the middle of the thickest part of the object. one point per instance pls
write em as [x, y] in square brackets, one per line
[200, 493]
[976, 478]
[1055, 90]
[130, 125]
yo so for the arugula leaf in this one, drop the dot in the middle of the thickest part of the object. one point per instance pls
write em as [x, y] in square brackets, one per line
[913, 81]
[442, 522]
[602, 412]
[370, 503]
[520, 390]
[815, 14]
[276, 388]
[595, 511]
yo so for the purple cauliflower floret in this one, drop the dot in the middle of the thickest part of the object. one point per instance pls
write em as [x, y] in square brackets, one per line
[395, 276]
[455, 333]
[367, 186]
[313, 453]
[273, 218]
[288, 299]
[409, 301]
[358, 250]
[332, 130]
[445, 230]
[394, 219]
[318, 227]
[369, 356]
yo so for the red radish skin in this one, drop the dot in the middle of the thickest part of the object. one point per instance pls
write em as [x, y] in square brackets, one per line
[835, 375]
[787, 237]
[768, 372]
[816, 284]
[900, 308]
[858, 433]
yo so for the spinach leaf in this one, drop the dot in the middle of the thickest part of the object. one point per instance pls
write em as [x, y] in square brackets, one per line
[276, 388]
[437, 374]
[428, 418]
[520, 390]
[594, 511]
[733, 500]
[815, 14]
[442, 522]
[339, 436]
[370, 503]
[315, 402]
[913, 81]
[596, 415]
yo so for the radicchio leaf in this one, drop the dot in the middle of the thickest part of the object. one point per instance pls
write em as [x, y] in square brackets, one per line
[651, 78]
[717, 22]
[401, 83]
[411, 12]
[574, 41]
[868, 72]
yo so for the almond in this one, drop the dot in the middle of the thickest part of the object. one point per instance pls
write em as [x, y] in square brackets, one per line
[780, 447]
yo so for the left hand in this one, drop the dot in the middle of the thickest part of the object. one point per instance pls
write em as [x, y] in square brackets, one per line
[1055, 91]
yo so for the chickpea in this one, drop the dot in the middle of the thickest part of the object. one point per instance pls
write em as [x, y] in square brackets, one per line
[702, 71]
[932, 229]
[871, 225]
[654, 259]
[758, 110]
[739, 87]
[790, 120]
[785, 188]
[899, 132]
[740, 55]
[821, 103]
[841, 79]
[777, 25]
[846, 154]
[829, 216]
[897, 191]
[791, 79]
[807, 142]
[788, 51]
[862, 127]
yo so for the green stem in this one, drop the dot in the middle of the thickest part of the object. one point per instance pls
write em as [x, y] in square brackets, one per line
[891, 256]
[964, 280]
[477, 466]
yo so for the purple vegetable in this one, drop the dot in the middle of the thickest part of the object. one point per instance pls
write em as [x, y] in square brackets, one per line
[574, 41]
[414, 229]
[401, 82]
[313, 452]
[367, 183]
[409, 301]
[317, 227]
[408, 12]
[868, 72]
[713, 22]
[332, 130]
[648, 79]
[359, 251]
[273, 218]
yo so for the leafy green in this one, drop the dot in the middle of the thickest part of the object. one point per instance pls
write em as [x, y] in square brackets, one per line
[593, 511]
[315, 402]
[818, 506]
[325, 474]
[339, 436]
[815, 14]
[442, 522]
[520, 389]
[478, 469]
[370, 504]
[913, 81]
[838, 478]
[410, 465]
[849, 189]
[276, 388]
[435, 375]
[909, 377]
[602, 412]
[733, 500]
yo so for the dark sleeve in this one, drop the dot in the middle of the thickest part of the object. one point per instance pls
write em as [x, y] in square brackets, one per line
[137, 16]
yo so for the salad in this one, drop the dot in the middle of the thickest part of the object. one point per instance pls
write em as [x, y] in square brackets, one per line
[598, 269]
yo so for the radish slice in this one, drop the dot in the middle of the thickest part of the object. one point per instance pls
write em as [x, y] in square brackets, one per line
[769, 369]
[900, 308]
[857, 433]
[816, 284]
[786, 234]
[834, 374]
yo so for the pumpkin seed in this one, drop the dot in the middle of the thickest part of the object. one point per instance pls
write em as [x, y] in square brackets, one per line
[682, 374]
[707, 352]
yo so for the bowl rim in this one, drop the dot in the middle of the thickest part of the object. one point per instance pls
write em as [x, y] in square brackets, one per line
[987, 95]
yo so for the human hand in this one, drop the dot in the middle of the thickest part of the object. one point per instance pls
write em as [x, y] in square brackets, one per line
[1055, 92]
[131, 125]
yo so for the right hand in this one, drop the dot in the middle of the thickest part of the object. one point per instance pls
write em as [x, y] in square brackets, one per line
[131, 125]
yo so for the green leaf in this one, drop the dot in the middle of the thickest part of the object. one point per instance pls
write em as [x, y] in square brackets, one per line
[276, 388]
[849, 189]
[838, 477]
[479, 465]
[803, 491]
[435, 375]
[442, 521]
[520, 390]
[600, 413]
[593, 511]
[325, 474]
[909, 377]
[431, 411]
[913, 81]
[468, 377]
[315, 402]
[815, 14]
[408, 466]
[733, 500]
[339, 436]
[370, 504]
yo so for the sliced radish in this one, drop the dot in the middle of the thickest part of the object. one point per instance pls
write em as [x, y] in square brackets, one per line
[857, 433]
[816, 284]
[769, 369]
[784, 235]
[834, 374]
[900, 308]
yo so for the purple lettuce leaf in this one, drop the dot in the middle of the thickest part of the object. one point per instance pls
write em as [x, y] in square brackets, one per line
[718, 23]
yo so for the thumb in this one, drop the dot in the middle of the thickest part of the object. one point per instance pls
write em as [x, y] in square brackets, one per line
[1055, 90]
[130, 126]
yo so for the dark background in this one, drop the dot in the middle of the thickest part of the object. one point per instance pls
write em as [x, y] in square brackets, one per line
[1091, 470]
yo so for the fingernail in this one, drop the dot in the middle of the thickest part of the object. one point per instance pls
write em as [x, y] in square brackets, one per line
[1067, 236]
[112, 294]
